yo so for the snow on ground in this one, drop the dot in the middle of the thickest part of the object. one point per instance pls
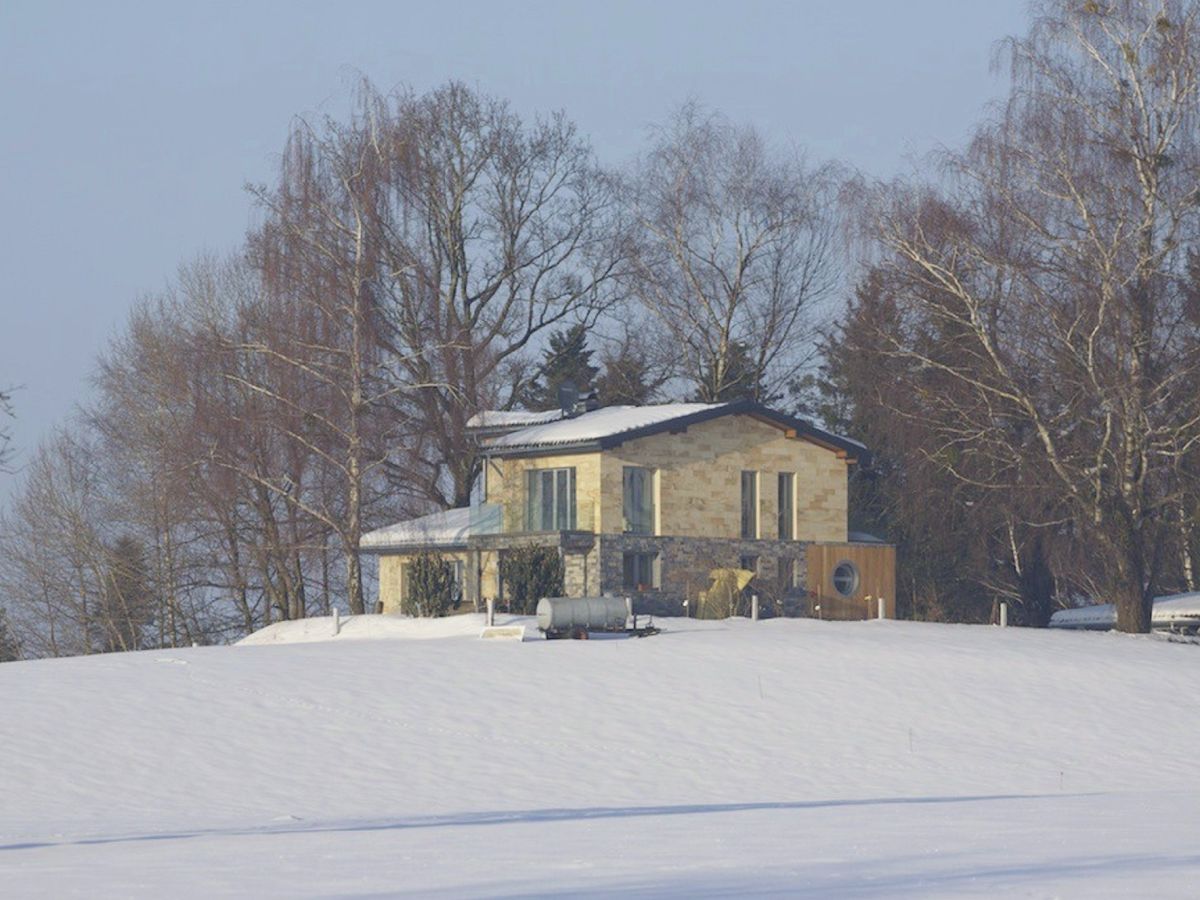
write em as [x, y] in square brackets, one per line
[782, 758]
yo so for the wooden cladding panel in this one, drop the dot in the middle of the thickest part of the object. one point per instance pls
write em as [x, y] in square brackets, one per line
[876, 564]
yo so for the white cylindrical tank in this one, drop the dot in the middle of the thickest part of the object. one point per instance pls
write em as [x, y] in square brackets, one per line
[562, 614]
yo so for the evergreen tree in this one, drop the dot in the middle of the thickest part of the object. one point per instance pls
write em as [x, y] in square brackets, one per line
[127, 600]
[630, 378]
[738, 379]
[431, 589]
[10, 649]
[529, 574]
[566, 359]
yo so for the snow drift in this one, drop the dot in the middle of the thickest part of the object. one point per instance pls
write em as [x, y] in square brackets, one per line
[790, 758]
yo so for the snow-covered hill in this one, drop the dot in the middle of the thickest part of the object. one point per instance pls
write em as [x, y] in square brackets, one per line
[797, 758]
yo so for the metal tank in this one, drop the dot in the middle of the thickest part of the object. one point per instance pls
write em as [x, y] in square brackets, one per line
[558, 616]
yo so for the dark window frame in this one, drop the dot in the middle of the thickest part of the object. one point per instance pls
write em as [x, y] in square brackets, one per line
[786, 498]
[547, 510]
[749, 530]
[635, 563]
[643, 522]
[846, 573]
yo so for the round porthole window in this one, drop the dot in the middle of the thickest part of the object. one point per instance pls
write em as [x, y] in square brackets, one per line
[845, 579]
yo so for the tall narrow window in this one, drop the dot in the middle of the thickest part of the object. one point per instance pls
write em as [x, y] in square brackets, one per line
[787, 505]
[749, 504]
[638, 492]
[640, 571]
[550, 499]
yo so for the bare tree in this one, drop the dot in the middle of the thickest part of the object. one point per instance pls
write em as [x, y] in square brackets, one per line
[491, 231]
[733, 252]
[53, 562]
[318, 327]
[1045, 288]
[6, 412]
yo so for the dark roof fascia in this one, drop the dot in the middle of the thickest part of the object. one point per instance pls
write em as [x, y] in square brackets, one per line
[528, 450]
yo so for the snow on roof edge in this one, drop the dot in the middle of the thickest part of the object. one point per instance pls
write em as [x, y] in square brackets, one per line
[451, 527]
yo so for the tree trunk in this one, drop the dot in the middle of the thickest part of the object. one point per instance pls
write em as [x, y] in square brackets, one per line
[1133, 610]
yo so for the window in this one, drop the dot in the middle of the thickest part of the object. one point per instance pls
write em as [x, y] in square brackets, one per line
[550, 499]
[787, 505]
[845, 579]
[640, 571]
[639, 500]
[749, 504]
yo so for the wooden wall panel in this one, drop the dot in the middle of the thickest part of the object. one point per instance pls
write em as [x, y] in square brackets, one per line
[876, 565]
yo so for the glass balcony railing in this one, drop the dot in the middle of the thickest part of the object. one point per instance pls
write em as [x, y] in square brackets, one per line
[520, 518]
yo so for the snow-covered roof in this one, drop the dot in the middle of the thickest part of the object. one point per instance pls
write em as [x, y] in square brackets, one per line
[1169, 609]
[610, 425]
[450, 528]
[863, 537]
[512, 418]
[601, 423]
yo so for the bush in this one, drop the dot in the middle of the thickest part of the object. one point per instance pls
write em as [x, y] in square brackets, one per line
[430, 590]
[528, 574]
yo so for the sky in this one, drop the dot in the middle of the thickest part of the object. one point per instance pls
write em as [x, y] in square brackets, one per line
[129, 130]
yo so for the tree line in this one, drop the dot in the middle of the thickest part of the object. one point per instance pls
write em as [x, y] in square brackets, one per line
[1013, 331]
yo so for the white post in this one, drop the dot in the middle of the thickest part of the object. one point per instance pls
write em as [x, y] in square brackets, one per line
[629, 611]
[491, 611]
[754, 607]
[882, 607]
[1003, 614]
[337, 622]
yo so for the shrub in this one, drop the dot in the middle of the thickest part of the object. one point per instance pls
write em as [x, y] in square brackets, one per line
[430, 590]
[528, 574]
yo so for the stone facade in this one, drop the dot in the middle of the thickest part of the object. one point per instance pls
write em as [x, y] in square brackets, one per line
[698, 481]
[684, 564]
[697, 489]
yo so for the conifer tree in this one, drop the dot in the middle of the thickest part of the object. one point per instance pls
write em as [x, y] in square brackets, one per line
[431, 588]
[10, 649]
[568, 358]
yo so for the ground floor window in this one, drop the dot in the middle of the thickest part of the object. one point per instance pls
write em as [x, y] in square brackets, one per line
[845, 578]
[641, 571]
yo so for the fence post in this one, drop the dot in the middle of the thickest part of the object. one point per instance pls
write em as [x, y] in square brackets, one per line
[491, 611]
[337, 622]
[882, 607]
[754, 607]
[1003, 614]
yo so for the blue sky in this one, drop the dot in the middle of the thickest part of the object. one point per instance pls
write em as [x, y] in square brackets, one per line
[127, 130]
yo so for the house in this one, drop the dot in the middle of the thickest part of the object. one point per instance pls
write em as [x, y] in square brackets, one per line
[647, 500]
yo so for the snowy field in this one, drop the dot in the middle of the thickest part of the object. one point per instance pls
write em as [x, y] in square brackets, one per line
[784, 758]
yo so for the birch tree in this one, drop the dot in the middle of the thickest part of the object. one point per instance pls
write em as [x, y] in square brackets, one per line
[1052, 265]
[732, 253]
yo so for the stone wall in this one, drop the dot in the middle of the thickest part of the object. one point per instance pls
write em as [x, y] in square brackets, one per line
[699, 486]
[698, 481]
[685, 564]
